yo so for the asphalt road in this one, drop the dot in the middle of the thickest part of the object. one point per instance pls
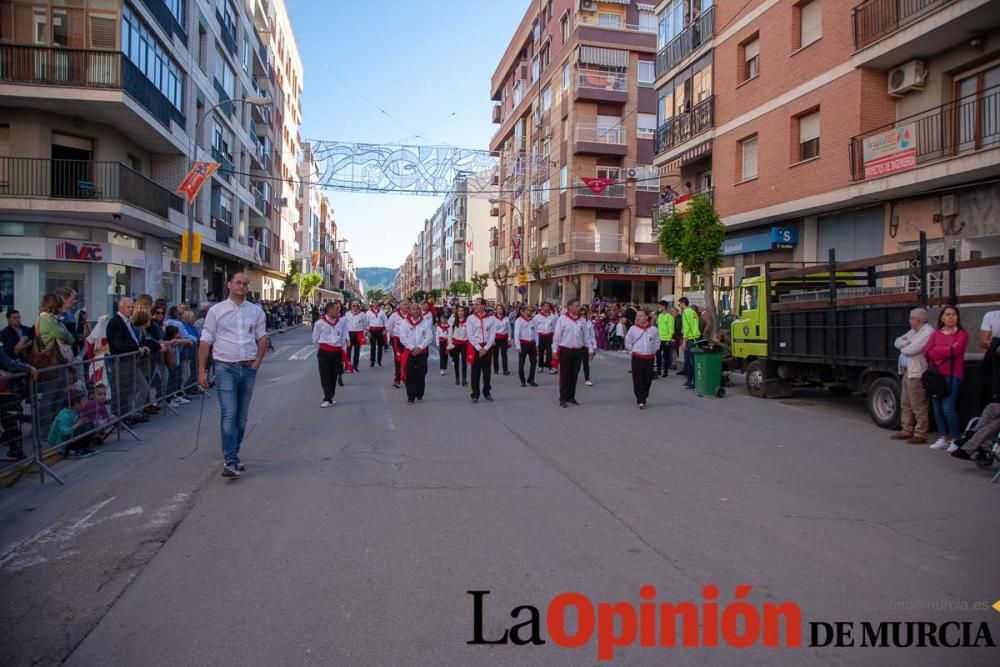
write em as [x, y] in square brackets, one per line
[357, 532]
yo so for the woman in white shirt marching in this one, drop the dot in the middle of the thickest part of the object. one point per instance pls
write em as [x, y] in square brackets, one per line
[459, 339]
[502, 340]
[592, 340]
[331, 334]
[642, 340]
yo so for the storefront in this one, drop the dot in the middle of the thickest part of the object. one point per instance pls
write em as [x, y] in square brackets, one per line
[610, 281]
[745, 255]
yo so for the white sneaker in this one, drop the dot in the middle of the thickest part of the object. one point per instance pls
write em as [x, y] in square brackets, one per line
[181, 400]
[952, 447]
[940, 443]
[326, 404]
[589, 383]
[442, 373]
[552, 371]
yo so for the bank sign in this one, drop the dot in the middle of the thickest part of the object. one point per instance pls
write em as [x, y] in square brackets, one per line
[781, 238]
[890, 152]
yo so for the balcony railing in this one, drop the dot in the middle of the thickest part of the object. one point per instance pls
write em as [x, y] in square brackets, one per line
[960, 127]
[600, 80]
[874, 19]
[226, 170]
[166, 18]
[686, 41]
[224, 97]
[222, 221]
[600, 135]
[591, 242]
[596, 22]
[227, 32]
[84, 179]
[685, 126]
[610, 191]
[83, 68]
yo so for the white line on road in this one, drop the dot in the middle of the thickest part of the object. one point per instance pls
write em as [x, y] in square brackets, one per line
[304, 353]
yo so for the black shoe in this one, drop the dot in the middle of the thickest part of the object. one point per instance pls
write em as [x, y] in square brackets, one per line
[340, 383]
[562, 404]
[231, 471]
[961, 454]
[506, 373]
[457, 383]
[420, 398]
[465, 383]
[241, 467]
[475, 399]
[410, 401]
[532, 383]
[371, 366]
[523, 384]
[488, 398]
[573, 401]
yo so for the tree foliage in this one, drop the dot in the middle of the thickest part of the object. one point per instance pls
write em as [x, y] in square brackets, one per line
[501, 278]
[692, 237]
[291, 278]
[539, 267]
[480, 281]
[419, 295]
[308, 282]
[460, 287]
[375, 295]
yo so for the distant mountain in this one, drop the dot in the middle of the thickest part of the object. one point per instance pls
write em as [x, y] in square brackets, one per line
[376, 277]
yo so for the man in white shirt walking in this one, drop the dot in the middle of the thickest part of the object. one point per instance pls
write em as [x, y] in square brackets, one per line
[571, 344]
[236, 333]
[481, 329]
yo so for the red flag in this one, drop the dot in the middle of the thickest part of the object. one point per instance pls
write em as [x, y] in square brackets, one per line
[597, 185]
[200, 172]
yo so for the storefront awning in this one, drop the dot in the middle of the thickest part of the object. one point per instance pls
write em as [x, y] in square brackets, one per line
[595, 55]
[687, 156]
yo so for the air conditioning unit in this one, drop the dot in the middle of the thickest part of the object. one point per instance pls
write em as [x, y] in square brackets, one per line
[548, 133]
[632, 174]
[588, 5]
[908, 76]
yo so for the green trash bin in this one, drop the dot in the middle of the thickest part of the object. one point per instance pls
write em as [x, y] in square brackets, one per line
[708, 372]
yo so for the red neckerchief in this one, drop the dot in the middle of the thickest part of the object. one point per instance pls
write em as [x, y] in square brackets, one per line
[461, 323]
[526, 319]
[332, 324]
[409, 318]
[374, 309]
[443, 327]
[570, 316]
[481, 317]
[500, 318]
[643, 327]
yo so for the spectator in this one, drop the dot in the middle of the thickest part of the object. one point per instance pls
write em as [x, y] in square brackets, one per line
[70, 424]
[124, 339]
[946, 352]
[665, 330]
[988, 330]
[618, 339]
[912, 364]
[189, 355]
[96, 413]
[978, 444]
[11, 397]
[17, 337]
[68, 317]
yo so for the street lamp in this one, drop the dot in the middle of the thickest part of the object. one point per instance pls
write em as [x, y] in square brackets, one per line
[256, 100]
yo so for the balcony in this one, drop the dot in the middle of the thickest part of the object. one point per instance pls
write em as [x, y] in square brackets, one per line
[594, 140]
[609, 31]
[100, 86]
[964, 126]
[678, 130]
[166, 19]
[84, 180]
[229, 109]
[613, 198]
[686, 42]
[600, 86]
[874, 19]
[226, 169]
[590, 242]
[222, 221]
[227, 32]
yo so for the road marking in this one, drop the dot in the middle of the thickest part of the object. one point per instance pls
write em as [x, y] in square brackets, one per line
[303, 354]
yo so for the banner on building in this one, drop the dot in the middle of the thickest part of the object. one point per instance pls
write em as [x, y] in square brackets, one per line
[200, 172]
[597, 185]
[515, 247]
[890, 152]
[195, 247]
[315, 258]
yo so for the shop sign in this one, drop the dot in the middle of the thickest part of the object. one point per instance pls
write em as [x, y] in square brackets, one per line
[125, 256]
[14, 247]
[890, 152]
[774, 238]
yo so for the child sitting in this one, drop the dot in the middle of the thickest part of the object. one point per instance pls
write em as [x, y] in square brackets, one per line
[69, 424]
[96, 413]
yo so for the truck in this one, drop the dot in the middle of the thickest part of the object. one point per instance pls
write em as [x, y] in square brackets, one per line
[834, 324]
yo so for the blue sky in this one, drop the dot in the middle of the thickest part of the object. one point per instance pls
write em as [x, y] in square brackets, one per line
[420, 62]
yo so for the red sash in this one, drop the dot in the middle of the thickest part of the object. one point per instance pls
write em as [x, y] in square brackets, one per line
[470, 354]
[346, 361]
[403, 358]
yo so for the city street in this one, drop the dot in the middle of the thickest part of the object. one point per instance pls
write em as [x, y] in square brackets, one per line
[356, 532]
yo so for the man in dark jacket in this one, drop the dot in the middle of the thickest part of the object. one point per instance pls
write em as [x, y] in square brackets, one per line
[17, 337]
[123, 339]
[10, 404]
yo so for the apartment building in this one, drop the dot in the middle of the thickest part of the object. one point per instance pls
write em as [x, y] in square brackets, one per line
[575, 100]
[103, 103]
[818, 125]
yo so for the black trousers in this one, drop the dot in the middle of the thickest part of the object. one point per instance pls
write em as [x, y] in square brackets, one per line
[443, 354]
[642, 378]
[395, 360]
[529, 351]
[570, 361]
[545, 351]
[354, 349]
[689, 361]
[331, 366]
[458, 359]
[375, 346]
[665, 356]
[500, 352]
[481, 368]
[416, 376]
[586, 367]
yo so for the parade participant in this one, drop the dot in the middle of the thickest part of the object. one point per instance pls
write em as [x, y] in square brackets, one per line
[643, 341]
[665, 331]
[459, 343]
[443, 334]
[392, 331]
[571, 344]
[377, 323]
[526, 344]
[357, 324]
[502, 340]
[591, 343]
[482, 336]
[236, 333]
[545, 323]
[331, 334]
[414, 339]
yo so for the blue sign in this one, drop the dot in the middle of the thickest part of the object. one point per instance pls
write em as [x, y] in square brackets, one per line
[523, 289]
[776, 237]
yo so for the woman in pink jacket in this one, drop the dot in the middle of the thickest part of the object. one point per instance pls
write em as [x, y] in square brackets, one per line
[946, 351]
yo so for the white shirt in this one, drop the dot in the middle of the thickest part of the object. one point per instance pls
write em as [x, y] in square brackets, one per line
[482, 331]
[330, 332]
[376, 320]
[643, 341]
[545, 324]
[233, 330]
[459, 334]
[525, 331]
[413, 336]
[991, 323]
[502, 326]
[356, 323]
[392, 328]
[572, 333]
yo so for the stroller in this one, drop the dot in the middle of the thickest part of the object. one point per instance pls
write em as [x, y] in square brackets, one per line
[986, 455]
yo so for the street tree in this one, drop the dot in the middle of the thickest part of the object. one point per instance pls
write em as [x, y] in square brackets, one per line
[291, 279]
[419, 295]
[460, 288]
[692, 237]
[539, 267]
[501, 278]
[308, 282]
[480, 281]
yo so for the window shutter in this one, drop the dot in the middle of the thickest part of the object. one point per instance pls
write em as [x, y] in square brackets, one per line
[749, 158]
[810, 22]
[809, 127]
[752, 49]
[102, 32]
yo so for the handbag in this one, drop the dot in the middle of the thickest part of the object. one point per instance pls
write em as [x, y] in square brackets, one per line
[935, 384]
[44, 356]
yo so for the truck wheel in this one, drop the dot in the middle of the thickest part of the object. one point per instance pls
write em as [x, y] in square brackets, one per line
[884, 402]
[756, 379]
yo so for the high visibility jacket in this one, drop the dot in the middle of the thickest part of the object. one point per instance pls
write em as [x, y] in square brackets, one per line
[689, 324]
[665, 325]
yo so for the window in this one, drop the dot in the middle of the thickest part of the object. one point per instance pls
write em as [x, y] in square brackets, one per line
[613, 173]
[609, 20]
[224, 74]
[647, 21]
[644, 230]
[748, 299]
[60, 29]
[564, 27]
[808, 136]
[751, 58]
[547, 98]
[648, 179]
[565, 76]
[564, 178]
[544, 194]
[536, 69]
[645, 125]
[748, 161]
[246, 53]
[810, 15]
[202, 49]
[647, 72]
[141, 47]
